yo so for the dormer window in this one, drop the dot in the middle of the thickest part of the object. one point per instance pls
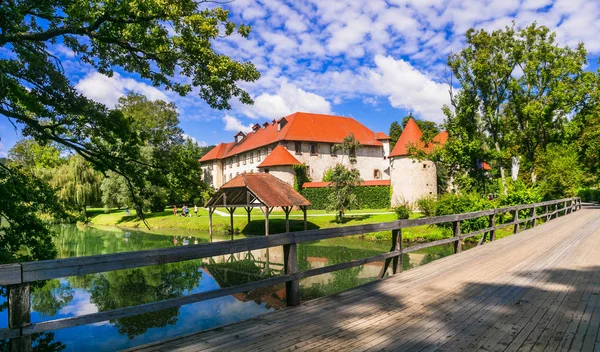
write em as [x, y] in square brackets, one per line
[281, 124]
[264, 125]
[239, 136]
[256, 127]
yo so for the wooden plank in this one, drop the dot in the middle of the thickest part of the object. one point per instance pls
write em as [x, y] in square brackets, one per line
[10, 274]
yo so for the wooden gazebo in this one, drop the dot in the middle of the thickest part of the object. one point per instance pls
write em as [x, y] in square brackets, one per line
[261, 190]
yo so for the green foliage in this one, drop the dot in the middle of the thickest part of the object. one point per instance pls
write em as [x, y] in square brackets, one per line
[370, 197]
[300, 176]
[561, 174]
[589, 195]
[426, 205]
[349, 146]
[165, 44]
[24, 236]
[30, 155]
[77, 184]
[499, 114]
[518, 192]
[449, 204]
[342, 186]
[395, 132]
[402, 211]
[327, 175]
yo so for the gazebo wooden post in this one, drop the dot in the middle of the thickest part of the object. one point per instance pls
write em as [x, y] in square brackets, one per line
[266, 211]
[305, 221]
[248, 210]
[287, 211]
[211, 210]
[231, 210]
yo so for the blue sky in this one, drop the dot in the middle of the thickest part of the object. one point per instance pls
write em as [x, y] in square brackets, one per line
[373, 60]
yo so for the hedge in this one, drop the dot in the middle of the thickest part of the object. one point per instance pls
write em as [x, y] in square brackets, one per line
[589, 195]
[371, 197]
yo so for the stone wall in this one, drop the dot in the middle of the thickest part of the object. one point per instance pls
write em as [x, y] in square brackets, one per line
[412, 179]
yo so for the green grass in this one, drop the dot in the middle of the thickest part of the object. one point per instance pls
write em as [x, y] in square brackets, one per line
[166, 220]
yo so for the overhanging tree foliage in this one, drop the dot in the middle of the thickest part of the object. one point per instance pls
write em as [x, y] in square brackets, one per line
[170, 44]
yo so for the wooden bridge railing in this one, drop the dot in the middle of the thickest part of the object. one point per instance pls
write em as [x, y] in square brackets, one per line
[18, 276]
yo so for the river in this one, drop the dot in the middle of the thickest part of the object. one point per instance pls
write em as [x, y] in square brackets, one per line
[86, 294]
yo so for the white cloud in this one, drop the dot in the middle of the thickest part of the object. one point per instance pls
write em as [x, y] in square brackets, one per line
[234, 125]
[194, 140]
[289, 99]
[408, 88]
[63, 50]
[108, 90]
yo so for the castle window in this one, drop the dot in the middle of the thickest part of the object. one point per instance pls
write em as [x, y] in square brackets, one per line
[424, 166]
[237, 158]
[313, 149]
[376, 174]
[308, 171]
[244, 159]
[251, 157]
[298, 148]
[230, 177]
[266, 171]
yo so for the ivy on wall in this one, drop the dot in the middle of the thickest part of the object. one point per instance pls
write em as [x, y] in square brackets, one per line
[370, 197]
[300, 177]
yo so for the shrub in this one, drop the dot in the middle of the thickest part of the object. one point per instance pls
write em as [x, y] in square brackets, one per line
[371, 197]
[519, 193]
[589, 195]
[464, 203]
[402, 211]
[426, 205]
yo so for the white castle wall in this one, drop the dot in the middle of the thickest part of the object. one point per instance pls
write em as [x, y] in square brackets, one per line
[412, 179]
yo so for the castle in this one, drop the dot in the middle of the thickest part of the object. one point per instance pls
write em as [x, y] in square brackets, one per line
[305, 138]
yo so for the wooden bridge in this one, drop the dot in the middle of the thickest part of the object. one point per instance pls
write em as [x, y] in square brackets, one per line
[537, 290]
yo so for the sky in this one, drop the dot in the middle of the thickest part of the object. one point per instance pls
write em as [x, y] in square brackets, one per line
[373, 60]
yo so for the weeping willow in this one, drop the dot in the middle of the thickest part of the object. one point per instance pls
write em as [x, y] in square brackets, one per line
[77, 184]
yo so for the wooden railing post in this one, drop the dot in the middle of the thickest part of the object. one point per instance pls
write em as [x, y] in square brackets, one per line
[493, 226]
[534, 212]
[292, 288]
[516, 221]
[18, 316]
[457, 243]
[396, 246]
[547, 213]
[565, 208]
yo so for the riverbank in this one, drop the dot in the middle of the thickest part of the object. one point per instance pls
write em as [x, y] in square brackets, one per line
[318, 219]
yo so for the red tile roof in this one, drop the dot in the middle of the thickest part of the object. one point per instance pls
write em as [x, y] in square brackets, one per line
[381, 136]
[363, 183]
[217, 152]
[279, 157]
[300, 126]
[270, 190]
[411, 136]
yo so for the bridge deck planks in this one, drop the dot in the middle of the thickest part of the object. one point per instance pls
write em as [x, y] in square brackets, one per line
[536, 290]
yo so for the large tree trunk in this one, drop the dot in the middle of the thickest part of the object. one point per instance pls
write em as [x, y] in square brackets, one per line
[502, 173]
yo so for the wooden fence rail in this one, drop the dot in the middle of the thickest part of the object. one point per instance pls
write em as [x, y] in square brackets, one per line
[18, 276]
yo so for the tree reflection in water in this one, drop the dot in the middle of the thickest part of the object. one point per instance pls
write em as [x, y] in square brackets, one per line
[126, 288]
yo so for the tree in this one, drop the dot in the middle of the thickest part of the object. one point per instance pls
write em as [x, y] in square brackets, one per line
[343, 179]
[560, 173]
[395, 132]
[30, 155]
[342, 197]
[169, 45]
[517, 87]
[77, 184]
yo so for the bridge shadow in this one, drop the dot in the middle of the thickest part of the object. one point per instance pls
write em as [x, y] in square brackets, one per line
[552, 309]
[276, 225]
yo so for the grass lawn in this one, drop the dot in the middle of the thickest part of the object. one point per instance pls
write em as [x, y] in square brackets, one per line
[316, 219]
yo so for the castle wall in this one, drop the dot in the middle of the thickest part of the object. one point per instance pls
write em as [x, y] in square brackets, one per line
[412, 179]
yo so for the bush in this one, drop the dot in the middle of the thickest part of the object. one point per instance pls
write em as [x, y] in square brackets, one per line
[402, 211]
[464, 203]
[371, 197]
[519, 193]
[589, 195]
[426, 205]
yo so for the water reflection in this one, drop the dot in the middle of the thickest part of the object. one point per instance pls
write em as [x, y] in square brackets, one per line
[92, 293]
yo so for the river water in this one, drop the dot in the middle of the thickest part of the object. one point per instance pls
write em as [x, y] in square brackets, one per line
[73, 296]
